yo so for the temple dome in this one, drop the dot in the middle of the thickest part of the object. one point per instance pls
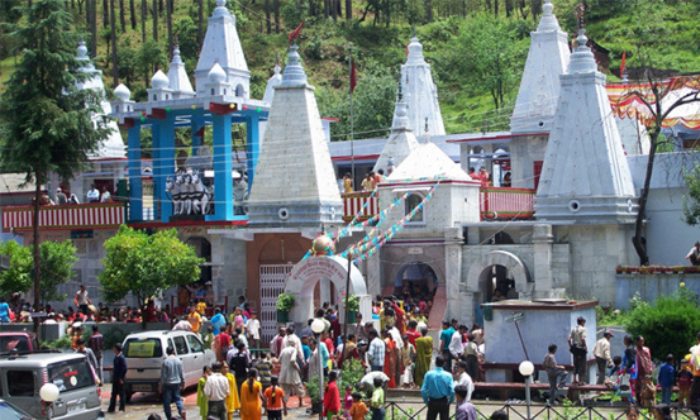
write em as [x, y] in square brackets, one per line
[122, 92]
[217, 74]
[160, 80]
[428, 161]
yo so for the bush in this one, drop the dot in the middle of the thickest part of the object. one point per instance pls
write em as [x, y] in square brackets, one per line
[669, 325]
[285, 302]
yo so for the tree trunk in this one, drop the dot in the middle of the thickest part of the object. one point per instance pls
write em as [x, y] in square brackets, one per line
[160, 6]
[268, 17]
[144, 12]
[276, 4]
[155, 19]
[35, 245]
[326, 9]
[169, 21]
[348, 10]
[122, 17]
[93, 26]
[334, 13]
[105, 13]
[88, 24]
[509, 7]
[429, 10]
[132, 14]
[495, 7]
[200, 23]
[115, 72]
[312, 9]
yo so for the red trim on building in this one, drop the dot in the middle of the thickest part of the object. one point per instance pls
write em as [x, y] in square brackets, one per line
[187, 223]
[357, 157]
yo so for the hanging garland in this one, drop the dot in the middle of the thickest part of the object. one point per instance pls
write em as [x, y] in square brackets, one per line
[381, 240]
[353, 223]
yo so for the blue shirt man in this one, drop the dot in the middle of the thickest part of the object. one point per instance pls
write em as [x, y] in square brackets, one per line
[218, 321]
[438, 391]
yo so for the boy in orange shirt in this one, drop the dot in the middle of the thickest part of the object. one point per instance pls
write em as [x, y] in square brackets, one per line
[359, 409]
[274, 400]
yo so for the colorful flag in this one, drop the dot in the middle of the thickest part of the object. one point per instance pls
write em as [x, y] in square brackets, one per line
[295, 33]
[622, 66]
[353, 76]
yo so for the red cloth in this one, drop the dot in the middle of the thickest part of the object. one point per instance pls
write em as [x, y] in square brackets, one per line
[412, 335]
[331, 399]
[295, 33]
[277, 347]
[330, 346]
[400, 319]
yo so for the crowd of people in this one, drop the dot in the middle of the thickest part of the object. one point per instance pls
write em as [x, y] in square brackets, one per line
[248, 379]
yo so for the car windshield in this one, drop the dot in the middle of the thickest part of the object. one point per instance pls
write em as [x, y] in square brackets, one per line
[71, 375]
[143, 347]
[9, 343]
[8, 412]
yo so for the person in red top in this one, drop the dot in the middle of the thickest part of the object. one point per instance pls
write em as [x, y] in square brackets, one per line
[412, 333]
[221, 344]
[326, 338]
[151, 315]
[400, 316]
[331, 397]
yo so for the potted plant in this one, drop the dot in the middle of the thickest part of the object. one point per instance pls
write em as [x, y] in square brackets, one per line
[353, 308]
[285, 301]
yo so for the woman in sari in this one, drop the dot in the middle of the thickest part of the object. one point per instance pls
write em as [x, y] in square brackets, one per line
[392, 362]
[424, 354]
[251, 397]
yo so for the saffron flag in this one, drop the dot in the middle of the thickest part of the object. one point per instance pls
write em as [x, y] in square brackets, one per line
[295, 33]
[353, 76]
[622, 66]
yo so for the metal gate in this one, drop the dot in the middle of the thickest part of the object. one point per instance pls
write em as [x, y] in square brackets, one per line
[272, 279]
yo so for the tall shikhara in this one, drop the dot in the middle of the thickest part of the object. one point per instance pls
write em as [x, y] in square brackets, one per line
[586, 177]
[295, 184]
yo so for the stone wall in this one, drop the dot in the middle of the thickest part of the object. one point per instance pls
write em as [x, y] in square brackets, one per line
[528, 149]
[651, 286]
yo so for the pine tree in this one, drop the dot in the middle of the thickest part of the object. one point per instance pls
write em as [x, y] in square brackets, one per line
[155, 19]
[144, 12]
[115, 70]
[122, 13]
[47, 123]
[132, 14]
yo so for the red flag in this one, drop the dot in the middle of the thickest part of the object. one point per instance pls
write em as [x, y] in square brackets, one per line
[295, 33]
[353, 76]
[622, 66]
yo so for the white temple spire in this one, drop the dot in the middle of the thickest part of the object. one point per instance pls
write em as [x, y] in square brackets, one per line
[420, 91]
[401, 141]
[539, 87]
[177, 75]
[585, 176]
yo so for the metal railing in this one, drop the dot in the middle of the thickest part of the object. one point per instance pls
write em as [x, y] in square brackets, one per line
[395, 411]
[76, 216]
[507, 203]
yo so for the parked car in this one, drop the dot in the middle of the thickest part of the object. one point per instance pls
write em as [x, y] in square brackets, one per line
[22, 341]
[22, 376]
[10, 412]
[145, 352]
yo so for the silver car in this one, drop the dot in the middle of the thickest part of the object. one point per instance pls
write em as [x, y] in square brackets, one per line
[22, 376]
[145, 352]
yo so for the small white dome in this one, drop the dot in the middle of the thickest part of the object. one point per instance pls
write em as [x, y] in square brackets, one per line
[217, 74]
[220, 3]
[122, 92]
[415, 47]
[160, 80]
[82, 51]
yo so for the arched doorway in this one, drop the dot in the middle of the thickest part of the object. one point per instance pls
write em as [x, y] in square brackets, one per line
[308, 272]
[417, 279]
[496, 283]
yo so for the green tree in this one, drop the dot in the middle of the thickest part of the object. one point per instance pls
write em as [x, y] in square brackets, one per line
[57, 261]
[691, 201]
[47, 124]
[678, 313]
[143, 264]
[149, 58]
[18, 276]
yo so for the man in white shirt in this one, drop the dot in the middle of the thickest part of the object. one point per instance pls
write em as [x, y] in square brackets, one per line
[253, 328]
[462, 378]
[93, 196]
[292, 338]
[456, 347]
[82, 300]
[216, 389]
[601, 351]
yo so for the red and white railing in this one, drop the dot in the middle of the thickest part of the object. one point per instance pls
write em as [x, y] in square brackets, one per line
[81, 216]
[507, 203]
[353, 202]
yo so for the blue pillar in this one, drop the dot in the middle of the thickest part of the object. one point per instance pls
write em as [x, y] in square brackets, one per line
[135, 184]
[253, 145]
[155, 153]
[223, 165]
[197, 124]
[166, 164]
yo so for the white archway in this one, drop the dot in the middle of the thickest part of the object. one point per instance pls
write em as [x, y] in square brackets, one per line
[304, 276]
[523, 283]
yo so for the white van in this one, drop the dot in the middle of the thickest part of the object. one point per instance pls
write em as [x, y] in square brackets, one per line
[145, 352]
